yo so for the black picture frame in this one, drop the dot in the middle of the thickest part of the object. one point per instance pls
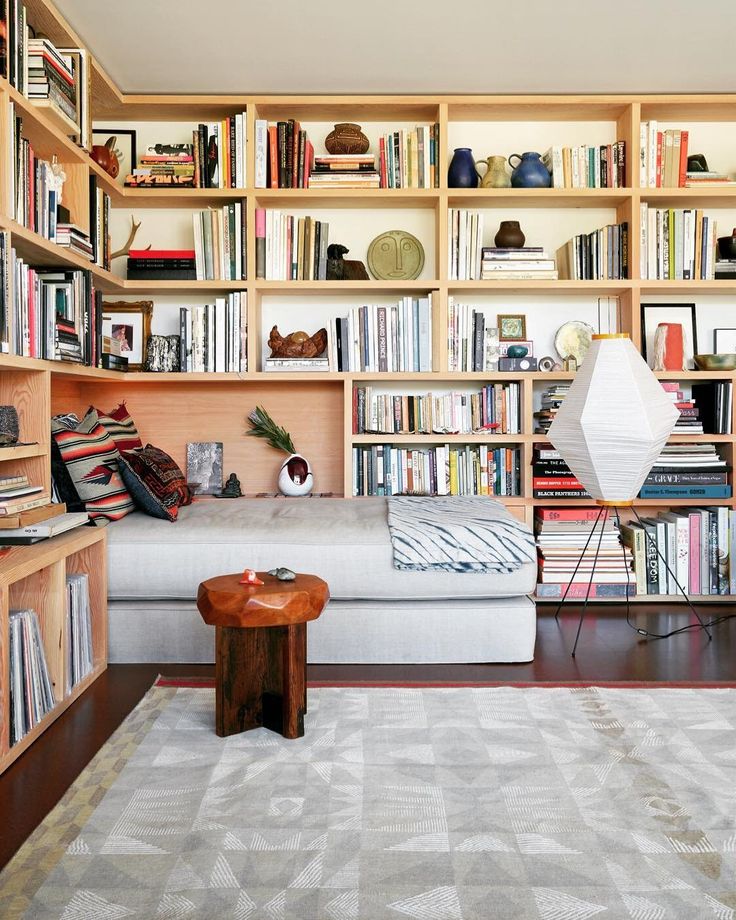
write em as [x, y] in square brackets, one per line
[727, 334]
[126, 146]
[683, 313]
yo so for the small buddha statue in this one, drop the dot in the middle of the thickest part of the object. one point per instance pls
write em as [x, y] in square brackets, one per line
[232, 487]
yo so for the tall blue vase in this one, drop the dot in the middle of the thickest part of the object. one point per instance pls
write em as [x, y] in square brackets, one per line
[462, 172]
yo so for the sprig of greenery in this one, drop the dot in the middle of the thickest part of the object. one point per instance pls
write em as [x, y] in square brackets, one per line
[263, 426]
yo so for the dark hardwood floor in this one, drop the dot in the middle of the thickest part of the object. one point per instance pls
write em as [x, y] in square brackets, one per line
[608, 651]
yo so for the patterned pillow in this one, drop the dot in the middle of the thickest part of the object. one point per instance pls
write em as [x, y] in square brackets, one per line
[91, 459]
[120, 426]
[155, 482]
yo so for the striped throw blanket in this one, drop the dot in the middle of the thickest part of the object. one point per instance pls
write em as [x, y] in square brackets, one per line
[457, 534]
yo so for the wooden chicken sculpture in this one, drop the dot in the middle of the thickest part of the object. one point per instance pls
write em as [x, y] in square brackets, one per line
[297, 344]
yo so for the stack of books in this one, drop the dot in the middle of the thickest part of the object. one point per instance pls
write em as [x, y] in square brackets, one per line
[22, 513]
[79, 629]
[344, 170]
[382, 469]
[552, 399]
[603, 166]
[552, 477]
[14, 492]
[689, 471]
[27, 534]
[663, 156]
[50, 77]
[472, 340]
[598, 256]
[496, 409]
[464, 244]
[290, 248]
[409, 159]
[219, 153]
[75, 240]
[689, 421]
[522, 263]
[377, 338]
[213, 337]
[31, 692]
[164, 164]
[561, 537]
[708, 179]
[284, 155]
[294, 365]
[219, 243]
[725, 270]
[677, 244]
[698, 545]
[161, 264]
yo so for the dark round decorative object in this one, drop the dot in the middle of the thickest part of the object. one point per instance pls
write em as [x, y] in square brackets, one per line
[9, 429]
[727, 246]
[517, 351]
[509, 235]
[462, 172]
[347, 138]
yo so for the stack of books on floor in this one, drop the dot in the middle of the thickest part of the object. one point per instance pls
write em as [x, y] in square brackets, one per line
[381, 469]
[663, 156]
[689, 471]
[377, 338]
[464, 244]
[284, 155]
[164, 165]
[219, 153]
[409, 159]
[552, 399]
[561, 537]
[689, 421]
[495, 409]
[694, 548]
[587, 167]
[552, 477]
[344, 170]
[522, 263]
[598, 256]
[290, 248]
[75, 240]
[472, 340]
[30, 533]
[213, 337]
[31, 692]
[50, 77]
[677, 244]
[219, 243]
[79, 629]
[161, 264]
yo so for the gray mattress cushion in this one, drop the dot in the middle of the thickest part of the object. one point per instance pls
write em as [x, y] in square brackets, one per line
[344, 541]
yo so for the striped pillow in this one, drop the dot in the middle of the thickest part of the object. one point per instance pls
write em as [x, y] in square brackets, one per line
[91, 458]
[120, 426]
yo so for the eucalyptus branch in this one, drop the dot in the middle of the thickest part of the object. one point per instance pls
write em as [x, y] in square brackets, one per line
[263, 426]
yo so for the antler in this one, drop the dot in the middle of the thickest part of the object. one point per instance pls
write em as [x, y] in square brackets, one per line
[129, 242]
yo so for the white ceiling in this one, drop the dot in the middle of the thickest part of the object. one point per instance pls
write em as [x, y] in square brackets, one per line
[410, 46]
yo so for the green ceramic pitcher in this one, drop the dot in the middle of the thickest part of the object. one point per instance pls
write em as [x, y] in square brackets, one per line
[496, 175]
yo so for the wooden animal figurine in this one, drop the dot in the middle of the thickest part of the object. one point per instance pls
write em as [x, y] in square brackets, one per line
[340, 269]
[297, 344]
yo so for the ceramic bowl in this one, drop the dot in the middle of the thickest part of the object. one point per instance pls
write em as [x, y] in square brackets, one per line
[715, 362]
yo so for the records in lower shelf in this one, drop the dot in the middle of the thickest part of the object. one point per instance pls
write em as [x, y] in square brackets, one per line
[377, 338]
[213, 337]
[582, 166]
[220, 243]
[688, 471]
[478, 469]
[290, 248]
[677, 244]
[496, 409]
[31, 692]
[598, 256]
[79, 629]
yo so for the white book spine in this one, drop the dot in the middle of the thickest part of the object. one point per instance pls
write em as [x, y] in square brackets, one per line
[261, 129]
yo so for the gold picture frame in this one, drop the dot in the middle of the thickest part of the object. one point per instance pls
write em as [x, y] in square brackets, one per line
[131, 322]
[511, 327]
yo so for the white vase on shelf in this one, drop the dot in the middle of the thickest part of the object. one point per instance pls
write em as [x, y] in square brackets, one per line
[295, 476]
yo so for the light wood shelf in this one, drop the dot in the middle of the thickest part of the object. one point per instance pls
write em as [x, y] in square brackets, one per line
[23, 451]
[347, 198]
[538, 198]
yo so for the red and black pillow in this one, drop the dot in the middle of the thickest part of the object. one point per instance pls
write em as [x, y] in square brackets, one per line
[155, 481]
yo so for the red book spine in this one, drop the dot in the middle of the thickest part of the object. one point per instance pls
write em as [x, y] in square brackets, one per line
[308, 161]
[273, 155]
[684, 135]
[295, 156]
[659, 159]
[382, 163]
[556, 482]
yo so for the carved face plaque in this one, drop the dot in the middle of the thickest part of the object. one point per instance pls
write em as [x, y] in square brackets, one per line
[396, 256]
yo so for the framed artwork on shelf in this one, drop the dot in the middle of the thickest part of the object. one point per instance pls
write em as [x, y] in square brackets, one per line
[123, 146]
[204, 466]
[130, 323]
[511, 327]
[663, 354]
[724, 341]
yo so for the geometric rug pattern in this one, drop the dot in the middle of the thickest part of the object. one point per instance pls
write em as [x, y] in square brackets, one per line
[431, 803]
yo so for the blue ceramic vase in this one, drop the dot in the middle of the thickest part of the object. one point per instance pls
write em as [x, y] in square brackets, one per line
[530, 172]
[462, 172]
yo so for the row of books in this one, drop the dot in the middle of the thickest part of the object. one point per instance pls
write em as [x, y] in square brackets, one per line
[377, 338]
[662, 156]
[31, 690]
[284, 155]
[472, 342]
[290, 248]
[382, 469]
[213, 337]
[220, 243]
[708, 409]
[496, 409]
[520, 263]
[583, 166]
[35, 185]
[677, 244]
[99, 224]
[598, 256]
[79, 629]
[464, 244]
[410, 158]
[219, 153]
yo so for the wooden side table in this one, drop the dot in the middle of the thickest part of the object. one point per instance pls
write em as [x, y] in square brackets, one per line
[261, 649]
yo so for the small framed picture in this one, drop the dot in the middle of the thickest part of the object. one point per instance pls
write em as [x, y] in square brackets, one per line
[503, 347]
[654, 315]
[511, 327]
[724, 341]
[123, 142]
[130, 324]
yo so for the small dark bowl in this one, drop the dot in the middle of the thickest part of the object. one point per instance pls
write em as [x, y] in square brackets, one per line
[727, 247]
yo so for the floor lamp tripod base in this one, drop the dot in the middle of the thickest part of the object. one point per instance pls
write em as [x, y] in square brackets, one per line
[607, 508]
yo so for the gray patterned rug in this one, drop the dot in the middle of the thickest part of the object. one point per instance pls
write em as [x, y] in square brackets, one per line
[435, 804]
